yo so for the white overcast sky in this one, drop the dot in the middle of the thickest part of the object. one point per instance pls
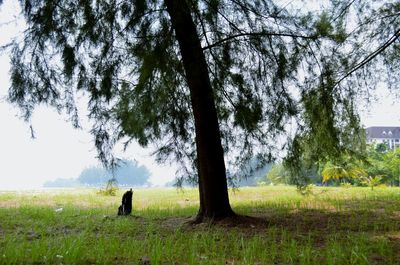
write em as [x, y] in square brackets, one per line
[59, 151]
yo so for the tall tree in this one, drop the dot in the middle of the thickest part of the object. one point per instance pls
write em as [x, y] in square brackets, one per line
[201, 79]
[214, 200]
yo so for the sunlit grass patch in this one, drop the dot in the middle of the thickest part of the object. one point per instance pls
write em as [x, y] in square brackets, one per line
[330, 226]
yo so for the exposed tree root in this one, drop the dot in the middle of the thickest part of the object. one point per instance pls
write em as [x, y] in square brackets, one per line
[232, 220]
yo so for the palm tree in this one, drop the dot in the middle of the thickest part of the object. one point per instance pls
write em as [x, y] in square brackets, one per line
[333, 171]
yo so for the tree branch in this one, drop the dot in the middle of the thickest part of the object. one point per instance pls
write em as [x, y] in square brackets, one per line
[344, 10]
[255, 34]
[371, 56]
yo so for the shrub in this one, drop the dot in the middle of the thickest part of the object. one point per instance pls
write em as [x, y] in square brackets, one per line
[110, 189]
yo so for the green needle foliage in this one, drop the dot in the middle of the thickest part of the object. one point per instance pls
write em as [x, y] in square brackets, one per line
[269, 65]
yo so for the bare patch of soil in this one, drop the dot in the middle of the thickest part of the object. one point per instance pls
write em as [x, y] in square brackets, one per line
[9, 204]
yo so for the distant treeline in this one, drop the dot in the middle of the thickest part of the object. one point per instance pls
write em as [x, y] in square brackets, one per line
[379, 165]
[129, 173]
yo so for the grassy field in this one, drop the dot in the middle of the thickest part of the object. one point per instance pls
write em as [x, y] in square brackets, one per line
[331, 226]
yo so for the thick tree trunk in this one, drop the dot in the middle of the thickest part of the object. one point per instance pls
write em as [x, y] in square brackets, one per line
[213, 189]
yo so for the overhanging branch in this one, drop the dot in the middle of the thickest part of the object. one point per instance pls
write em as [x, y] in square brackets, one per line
[371, 56]
[255, 34]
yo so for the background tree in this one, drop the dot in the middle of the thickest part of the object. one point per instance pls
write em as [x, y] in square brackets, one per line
[278, 174]
[281, 174]
[249, 174]
[392, 164]
[126, 172]
[383, 162]
[130, 173]
[201, 79]
[380, 148]
[94, 176]
[375, 163]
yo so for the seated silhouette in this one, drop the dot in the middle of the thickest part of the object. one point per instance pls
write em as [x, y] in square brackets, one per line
[126, 206]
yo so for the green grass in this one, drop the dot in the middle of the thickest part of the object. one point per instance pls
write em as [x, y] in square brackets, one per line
[331, 226]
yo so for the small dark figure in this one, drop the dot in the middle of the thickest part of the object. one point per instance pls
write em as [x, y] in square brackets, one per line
[126, 206]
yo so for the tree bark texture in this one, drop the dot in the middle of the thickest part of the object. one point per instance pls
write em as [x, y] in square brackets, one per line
[213, 188]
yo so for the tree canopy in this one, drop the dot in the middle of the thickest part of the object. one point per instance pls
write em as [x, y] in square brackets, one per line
[277, 74]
